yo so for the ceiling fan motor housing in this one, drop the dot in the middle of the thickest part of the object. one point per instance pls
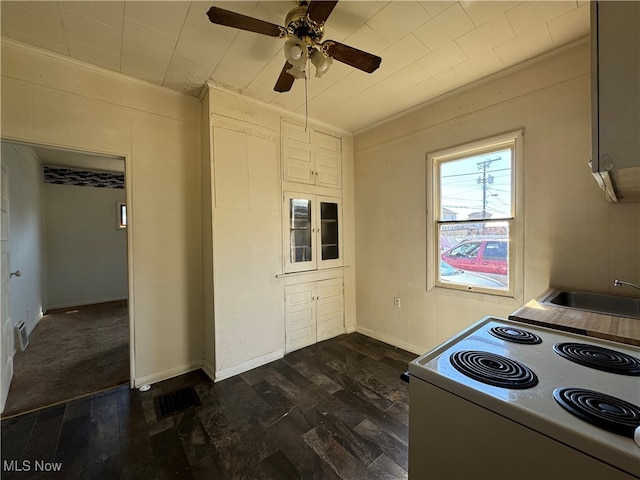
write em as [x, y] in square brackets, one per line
[301, 26]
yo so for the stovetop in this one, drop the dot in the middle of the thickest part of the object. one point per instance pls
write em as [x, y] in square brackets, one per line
[535, 364]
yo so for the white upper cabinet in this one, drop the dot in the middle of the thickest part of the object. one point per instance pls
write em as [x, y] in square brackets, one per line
[310, 156]
[615, 102]
[312, 232]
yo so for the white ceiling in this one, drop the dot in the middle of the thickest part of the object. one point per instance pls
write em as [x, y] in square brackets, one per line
[428, 48]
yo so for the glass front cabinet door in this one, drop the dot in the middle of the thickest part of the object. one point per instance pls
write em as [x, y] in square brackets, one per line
[312, 232]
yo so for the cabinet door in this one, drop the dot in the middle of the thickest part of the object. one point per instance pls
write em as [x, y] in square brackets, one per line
[327, 151]
[329, 232]
[297, 154]
[300, 313]
[299, 232]
[616, 96]
[330, 308]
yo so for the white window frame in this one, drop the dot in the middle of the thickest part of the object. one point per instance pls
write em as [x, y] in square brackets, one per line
[516, 234]
[121, 215]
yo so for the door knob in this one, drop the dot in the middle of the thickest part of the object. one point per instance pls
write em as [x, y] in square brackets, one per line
[15, 274]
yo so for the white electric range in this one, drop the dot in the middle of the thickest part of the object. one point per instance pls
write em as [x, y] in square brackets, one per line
[503, 400]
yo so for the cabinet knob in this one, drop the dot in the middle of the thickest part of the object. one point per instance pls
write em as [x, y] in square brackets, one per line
[15, 274]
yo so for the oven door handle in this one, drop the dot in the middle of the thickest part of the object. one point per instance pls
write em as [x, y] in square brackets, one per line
[404, 376]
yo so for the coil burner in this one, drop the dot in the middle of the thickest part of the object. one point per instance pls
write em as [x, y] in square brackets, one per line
[493, 369]
[600, 358]
[599, 409]
[516, 335]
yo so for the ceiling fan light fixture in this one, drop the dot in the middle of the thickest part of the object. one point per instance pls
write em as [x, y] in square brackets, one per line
[295, 51]
[297, 72]
[321, 61]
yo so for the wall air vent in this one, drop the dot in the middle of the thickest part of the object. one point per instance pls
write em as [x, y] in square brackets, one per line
[22, 339]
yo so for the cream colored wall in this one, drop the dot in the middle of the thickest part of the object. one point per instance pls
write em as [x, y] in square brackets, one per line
[247, 233]
[48, 99]
[86, 253]
[572, 236]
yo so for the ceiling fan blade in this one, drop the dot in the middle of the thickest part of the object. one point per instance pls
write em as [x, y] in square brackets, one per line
[319, 10]
[285, 81]
[237, 20]
[364, 61]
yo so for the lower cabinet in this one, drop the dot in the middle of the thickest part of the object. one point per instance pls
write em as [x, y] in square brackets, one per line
[314, 312]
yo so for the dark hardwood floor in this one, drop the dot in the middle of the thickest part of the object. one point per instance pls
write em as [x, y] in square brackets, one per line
[335, 410]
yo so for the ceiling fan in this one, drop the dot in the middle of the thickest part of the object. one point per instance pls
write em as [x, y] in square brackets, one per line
[304, 30]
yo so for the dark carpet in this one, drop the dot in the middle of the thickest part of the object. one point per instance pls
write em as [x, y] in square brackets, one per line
[72, 352]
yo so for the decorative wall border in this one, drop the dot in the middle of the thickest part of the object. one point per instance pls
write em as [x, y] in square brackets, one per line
[83, 178]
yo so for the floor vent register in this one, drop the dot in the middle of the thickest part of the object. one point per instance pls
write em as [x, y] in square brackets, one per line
[175, 402]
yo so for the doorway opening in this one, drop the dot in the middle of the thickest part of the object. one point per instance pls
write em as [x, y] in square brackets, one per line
[66, 236]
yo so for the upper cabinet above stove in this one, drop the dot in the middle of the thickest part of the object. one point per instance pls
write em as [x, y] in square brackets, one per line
[615, 68]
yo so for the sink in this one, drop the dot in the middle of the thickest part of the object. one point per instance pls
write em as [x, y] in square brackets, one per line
[595, 302]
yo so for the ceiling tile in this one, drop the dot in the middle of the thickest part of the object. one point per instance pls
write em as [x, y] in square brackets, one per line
[436, 7]
[27, 23]
[147, 40]
[347, 17]
[151, 68]
[365, 35]
[428, 89]
[397, 18]
[110, 13]
[525, 47]
[202, 49]
[92, 54]
[45, 43]
[89, 31]
[442, 59]
[187, 75]
[47, 9]
[479, 66]
[252, 51]
[399, 81]
[233, 75]
[481, 11]
[449, 25]
[405, 51]
[570, 26]
[165, 17]
[530, 15]
[487, 36]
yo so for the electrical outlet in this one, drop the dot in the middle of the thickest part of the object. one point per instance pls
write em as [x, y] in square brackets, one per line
[396, 302]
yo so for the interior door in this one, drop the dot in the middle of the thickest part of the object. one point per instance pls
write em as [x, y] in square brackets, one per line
[6, 340]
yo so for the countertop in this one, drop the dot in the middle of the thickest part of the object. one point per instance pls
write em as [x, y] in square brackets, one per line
[608, 327]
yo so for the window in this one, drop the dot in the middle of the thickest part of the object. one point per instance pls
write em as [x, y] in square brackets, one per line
[475, 211]
[122, 215]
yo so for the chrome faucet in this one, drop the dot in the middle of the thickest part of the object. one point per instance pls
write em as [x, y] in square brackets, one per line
[619, 283]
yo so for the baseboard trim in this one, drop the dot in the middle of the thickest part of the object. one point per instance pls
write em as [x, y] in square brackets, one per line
[209, 370]
[248, 365]
[391, 340]
[83, 303]
[166, 374]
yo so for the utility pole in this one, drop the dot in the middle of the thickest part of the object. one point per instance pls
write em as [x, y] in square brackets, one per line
[484, 182]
